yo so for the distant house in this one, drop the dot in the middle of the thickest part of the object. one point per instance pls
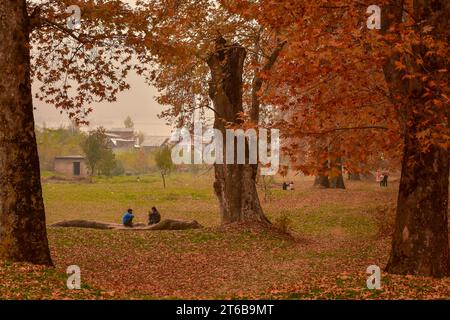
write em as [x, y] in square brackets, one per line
[122, 138]
[151, 143]
[71, 166]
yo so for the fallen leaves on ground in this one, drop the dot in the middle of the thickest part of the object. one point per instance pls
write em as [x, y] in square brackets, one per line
[334, 238]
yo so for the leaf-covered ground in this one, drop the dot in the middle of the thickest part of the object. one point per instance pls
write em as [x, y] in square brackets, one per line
[334, 236]
[25, 281]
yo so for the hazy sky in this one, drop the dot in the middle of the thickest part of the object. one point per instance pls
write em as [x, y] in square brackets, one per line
[138, 102]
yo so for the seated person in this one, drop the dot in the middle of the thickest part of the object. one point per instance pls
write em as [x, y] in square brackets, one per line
[127, 219]
[153, 216]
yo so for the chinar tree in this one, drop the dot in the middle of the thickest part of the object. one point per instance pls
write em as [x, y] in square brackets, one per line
[88, 65]
[416, 71]
[394, 94]
[204, 51]
[23, 234]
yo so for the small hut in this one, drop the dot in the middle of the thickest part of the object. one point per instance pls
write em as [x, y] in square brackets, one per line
[71, 166]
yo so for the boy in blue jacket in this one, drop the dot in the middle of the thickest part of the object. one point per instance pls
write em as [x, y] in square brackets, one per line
[127, 219]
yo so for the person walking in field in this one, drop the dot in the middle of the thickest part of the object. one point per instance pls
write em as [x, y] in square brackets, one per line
[153, 216]
[378, 177]
[291, 185]
[385, 179]
[127, 219]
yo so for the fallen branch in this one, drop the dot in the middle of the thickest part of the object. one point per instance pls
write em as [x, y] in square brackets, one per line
[167, 224]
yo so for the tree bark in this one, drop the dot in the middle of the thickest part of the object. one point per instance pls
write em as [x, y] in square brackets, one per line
[321, 179]
[336, 178]
[235, 184]
[337, 182]
[164, 179]
[354, 177]
[23, 235]
[322, 182]
[420, 241]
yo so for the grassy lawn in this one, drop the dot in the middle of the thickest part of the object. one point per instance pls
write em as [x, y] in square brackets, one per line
[107, 199]
[332, 239]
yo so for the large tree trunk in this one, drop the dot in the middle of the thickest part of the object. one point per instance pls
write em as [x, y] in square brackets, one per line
[420, 242]
[354, 176]
[330, 178]
[322, 182]
[235, 184]
[336, 178]
[23, 234]
[337, 182]
[321, 179]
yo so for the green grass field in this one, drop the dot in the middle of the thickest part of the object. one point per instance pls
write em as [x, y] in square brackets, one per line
[333, 237]
[107, 199]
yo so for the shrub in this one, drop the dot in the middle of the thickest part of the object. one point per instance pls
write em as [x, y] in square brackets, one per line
[283, 222]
